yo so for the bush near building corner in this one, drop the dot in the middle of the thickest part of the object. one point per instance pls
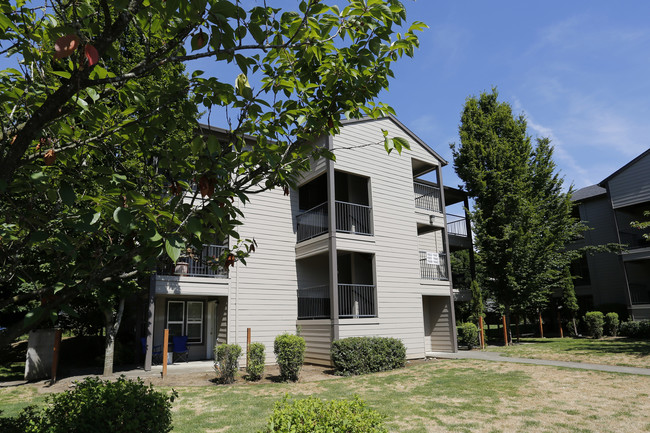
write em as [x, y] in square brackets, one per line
[361, 355]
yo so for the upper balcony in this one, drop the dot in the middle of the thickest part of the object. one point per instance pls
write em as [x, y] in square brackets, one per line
[352, 207]
[202, 263]
[350, 218]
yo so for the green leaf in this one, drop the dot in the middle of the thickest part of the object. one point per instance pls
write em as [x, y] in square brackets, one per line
[67, 194]
[58, 287]
[62, 74]
[194, 226]
[122, 217]
[173, 246]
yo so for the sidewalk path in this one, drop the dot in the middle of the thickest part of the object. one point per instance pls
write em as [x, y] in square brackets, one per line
[496, 356]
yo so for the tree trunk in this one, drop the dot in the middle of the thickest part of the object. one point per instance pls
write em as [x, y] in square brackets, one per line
[507, 314]
[575, 328]
[112, 325]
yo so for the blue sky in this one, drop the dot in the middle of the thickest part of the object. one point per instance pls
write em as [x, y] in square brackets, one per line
[579, 70]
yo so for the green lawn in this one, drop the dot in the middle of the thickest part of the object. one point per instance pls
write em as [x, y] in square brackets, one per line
[609, 351]
[438, 396]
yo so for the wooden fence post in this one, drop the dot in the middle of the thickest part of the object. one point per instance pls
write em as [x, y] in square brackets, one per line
[164, 360]
[248, 344]
[505, 330]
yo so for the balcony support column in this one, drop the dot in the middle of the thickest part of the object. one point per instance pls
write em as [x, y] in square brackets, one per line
[331, 238]
[452, 314]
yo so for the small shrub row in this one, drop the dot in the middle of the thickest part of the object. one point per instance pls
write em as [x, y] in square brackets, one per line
[290, 354]
[599, 324]
[226, 361]
[611, 324]
[594, 321]
[256, 359]
[467, 335]
[360, 355]
[316, 415]
[122, 406]
[633, 329]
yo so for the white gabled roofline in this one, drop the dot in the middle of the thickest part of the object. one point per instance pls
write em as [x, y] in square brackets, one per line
[417, 139]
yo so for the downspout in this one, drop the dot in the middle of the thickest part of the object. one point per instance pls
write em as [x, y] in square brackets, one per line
[452, 312]
[331, 240]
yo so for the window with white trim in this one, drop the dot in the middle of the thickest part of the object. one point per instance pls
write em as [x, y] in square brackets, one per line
[186, 318]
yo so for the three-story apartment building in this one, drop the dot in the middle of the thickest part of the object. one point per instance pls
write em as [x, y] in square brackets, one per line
[360, 248]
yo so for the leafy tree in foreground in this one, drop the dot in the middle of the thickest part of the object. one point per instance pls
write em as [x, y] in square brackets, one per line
[521, 217]
[569, 300]
[93, 192]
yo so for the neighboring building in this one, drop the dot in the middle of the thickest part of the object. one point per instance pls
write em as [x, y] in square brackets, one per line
[382, 272]
[608, 208]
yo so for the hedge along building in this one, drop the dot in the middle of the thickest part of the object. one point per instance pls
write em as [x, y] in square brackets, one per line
[360, 248]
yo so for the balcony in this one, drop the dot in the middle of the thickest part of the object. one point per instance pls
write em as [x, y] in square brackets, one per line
[350, 218]
[427, 197]
[197, 264]
[634, 239]
[355, 300]
[433, 266]
[456, 225]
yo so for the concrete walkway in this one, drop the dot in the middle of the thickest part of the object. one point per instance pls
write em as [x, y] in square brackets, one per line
[496, 356]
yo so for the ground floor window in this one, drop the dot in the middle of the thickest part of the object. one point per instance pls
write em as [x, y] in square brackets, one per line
[185, 318]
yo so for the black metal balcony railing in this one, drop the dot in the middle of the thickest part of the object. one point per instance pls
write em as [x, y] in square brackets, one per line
[634, 240]
[314, 303]
[198, 264]
[350, 218]
[355, 300]
[427, 197]
[433, 271]
[353, 218]
[456, 225]
[312, 223]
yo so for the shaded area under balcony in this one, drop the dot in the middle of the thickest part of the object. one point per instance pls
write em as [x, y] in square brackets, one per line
[204, 263]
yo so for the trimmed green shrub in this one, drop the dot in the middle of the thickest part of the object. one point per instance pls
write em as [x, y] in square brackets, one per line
[289, 353]
[594, 320]
[256, 359]
[611, 324]
[97, 406]
[226, 356]
[315, 415]
[632, 329]
[361, 355]
[467, 335]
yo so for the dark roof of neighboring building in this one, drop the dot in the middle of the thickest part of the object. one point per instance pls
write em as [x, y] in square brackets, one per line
[608, 178]
[588, 192]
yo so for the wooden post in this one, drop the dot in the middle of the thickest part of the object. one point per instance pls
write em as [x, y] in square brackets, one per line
[164, 360]
[505, 330]
[559, 323]
[541, 326]
[480, 325]
[248, 343]
[55, 353]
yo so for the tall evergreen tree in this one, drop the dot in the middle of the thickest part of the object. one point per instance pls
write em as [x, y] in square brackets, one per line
[521, 216]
